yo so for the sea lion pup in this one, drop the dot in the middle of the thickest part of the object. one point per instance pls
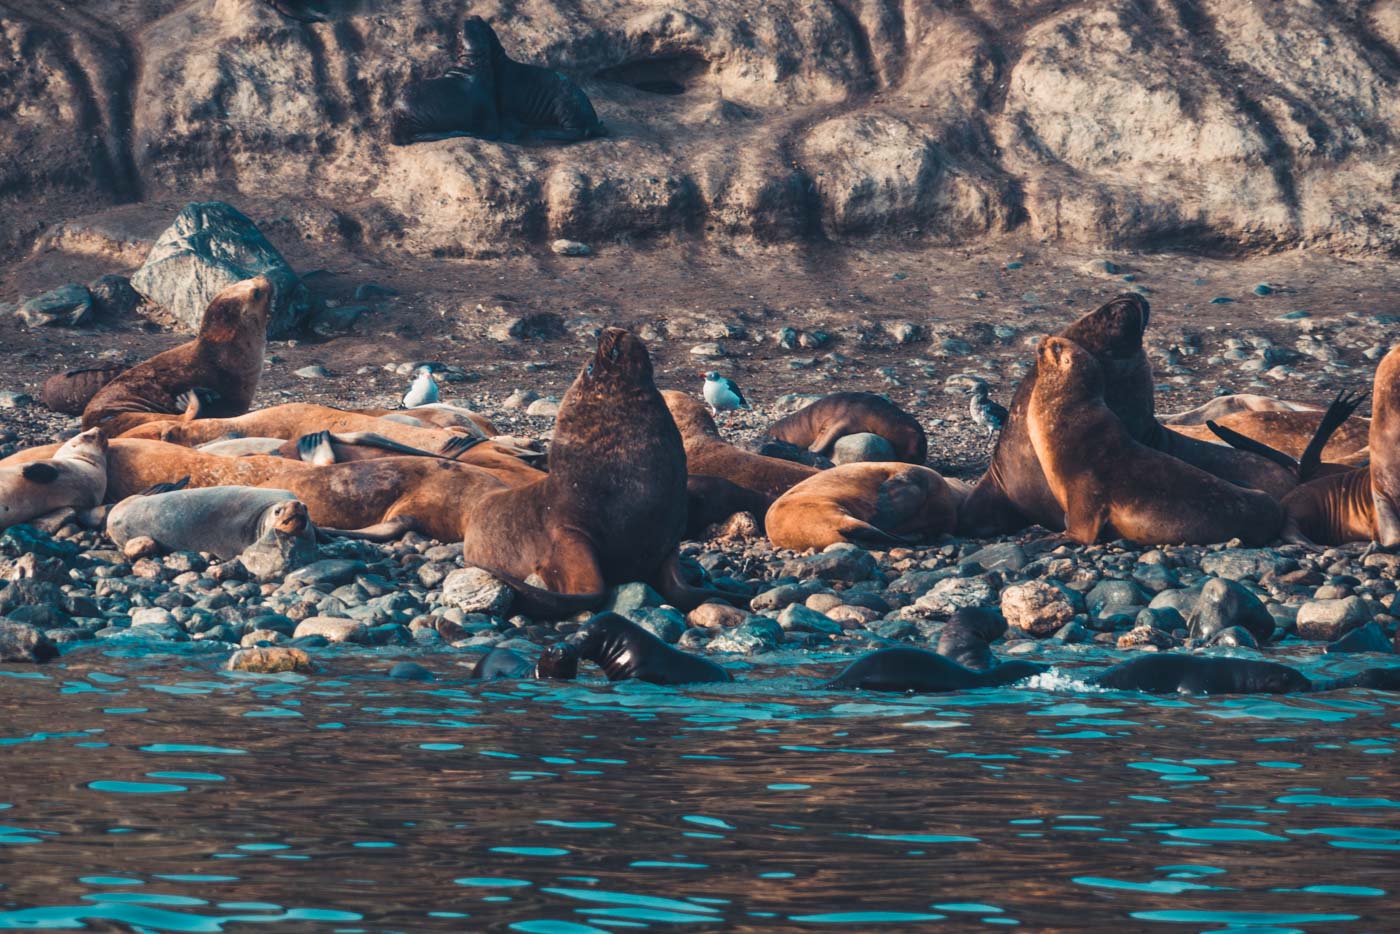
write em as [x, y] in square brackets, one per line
[626, 651]
[461, 102]
[817, 427]
[707, 454]
[297, 419]
[712, 500]
[71, 391]
[909, 670]
[73, 477]
[873, 505]
[1109, 485]
[612, 508]
[220, 367]
[223, 521]
[1014, 493]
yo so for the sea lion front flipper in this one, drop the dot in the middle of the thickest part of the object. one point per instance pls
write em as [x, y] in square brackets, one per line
[458, 445]
[1245, 443]
[685, 596]
[369, 439]
[158, 488]
[1085, 518]
[388, 531]
[316, 449]
[826, 440]
[40, 472]
[868, 536]
[1337, 413]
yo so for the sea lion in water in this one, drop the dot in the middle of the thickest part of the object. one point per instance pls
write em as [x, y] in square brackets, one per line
[612, 508]
[557, 663]
[72, 477]
[1106, 484]
[221, 367]
[1176, 673]
[874, 505]
[1014, 493]
[626, 651]
[909, 670]
[222, 521]
[707, 454]
[71, 391]
[817, 427]
[967, 635]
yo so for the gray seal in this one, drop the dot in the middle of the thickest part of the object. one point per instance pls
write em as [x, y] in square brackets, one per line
[223, 520]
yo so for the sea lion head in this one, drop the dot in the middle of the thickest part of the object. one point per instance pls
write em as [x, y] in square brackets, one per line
[90, 445]
[478, 43]
[240, 310]
[290, 517]
[690, 415]
[1067, 369]
[1113, 331]
[621, 359]
[559, 662]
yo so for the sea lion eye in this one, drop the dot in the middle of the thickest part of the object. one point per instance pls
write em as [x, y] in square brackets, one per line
[588, 370]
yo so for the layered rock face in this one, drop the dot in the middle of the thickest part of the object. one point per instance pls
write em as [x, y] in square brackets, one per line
[1206, 124]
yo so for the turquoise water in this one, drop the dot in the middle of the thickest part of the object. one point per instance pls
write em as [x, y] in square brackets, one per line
[163, 795]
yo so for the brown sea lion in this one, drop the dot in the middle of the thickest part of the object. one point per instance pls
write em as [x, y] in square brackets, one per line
[71, 391]
[221, 367]
[441, 415]
[1224, 406]
[874, 505]
[73, 476]
[1109, 485]
[712, 500]
[1291, 432]
[612, 508]
[817, 427]
[708, 454]
[1014, 493]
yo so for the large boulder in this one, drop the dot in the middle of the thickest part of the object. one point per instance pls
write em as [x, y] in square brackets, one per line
[210, 246]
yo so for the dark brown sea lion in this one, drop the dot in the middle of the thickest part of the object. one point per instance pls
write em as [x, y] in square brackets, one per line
[875, 505]
[966, 637]
[708, 454]
[1174, 673]
[1013, 493]
[818, 426]
[70, 392]
[1108, 485]
[612, 508]
[536, 102]
[712, 500]
[626, 651]
[72, 476]
[222, 366]
[907, 670]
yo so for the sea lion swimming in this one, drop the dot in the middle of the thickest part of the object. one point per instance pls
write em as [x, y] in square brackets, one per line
[223, 521]
[70, 392]
[1109, 485]
[1177, 673]
[817, 427]
[73, 476]
[1014, 493]
[904, 669]
[612, 508]
[707, 454]
[874, 505]
[626, 651]
[967, 635]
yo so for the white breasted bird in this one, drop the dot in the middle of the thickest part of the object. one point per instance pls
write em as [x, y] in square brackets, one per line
[723, 394]
[985, 412]
[424, 390]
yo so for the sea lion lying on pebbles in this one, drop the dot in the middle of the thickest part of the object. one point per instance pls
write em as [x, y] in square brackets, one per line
[223, 521]
[817, 427]
[707, 454]
[72, 477]
[874, 505]
[70, 392]
[220, 368]
[1227, 406]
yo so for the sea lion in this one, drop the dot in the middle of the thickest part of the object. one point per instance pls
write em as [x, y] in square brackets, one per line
[1225, 406]
[626, 651]
[1106, 484]
[1013, 493]
[874, 505]
[461, 102]
[1175, 673]
[817, 427]
[71, 391]
[918, 671]
[534, 102]
[967, 635]
[1291, 432]
[242, 447]
[222, 521]
[612, 508]
[441, 415]
[74, 476]
[707, 454]
[558, 662]
[712, 500]
[221, 367]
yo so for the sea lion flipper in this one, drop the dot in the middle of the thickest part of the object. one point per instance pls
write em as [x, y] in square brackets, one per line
[824, 442]
[387, 531]
[316, 449]
[683, 595]
[370, 439]
[1244, 443]
[1337, 413]
[158, 488]
[41, 472]
[1085, 518]
[867, 535]
[458, 445]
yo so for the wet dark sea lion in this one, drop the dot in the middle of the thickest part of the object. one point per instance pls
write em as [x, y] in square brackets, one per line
[869, 504]
[461, 102]
[1107, 485]
[1014, 493]
[626, 651]
[70, 392]
[919, 671]
[559, 663]
[708, 454]
[612, 508]
[223, 364]
[1175, 673]
[818, 426]
[967, 635]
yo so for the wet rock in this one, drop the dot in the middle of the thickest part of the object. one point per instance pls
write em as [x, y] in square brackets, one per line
[1329, 620]
[757, 635]
[18, 540]
[1368, 638]
[630, 597]
[894, 629]
[411, 671]
[1155, 578]
[65, 306]
[717, 616]
[1239, 563]
[1001, 556]
[1071, 634]
[255, 638]
[1105, 595]
[1038, 608]
[270, 660]
[329, 572]
[862, 447]
[473, 590]
[210, 246]
[113, 297]
[798, 618]
[333, 629]
[839, 562]
[665, 623]
[152, 616]
[20, 643]
[1226, 603]
[275, 555]
[1147, 637]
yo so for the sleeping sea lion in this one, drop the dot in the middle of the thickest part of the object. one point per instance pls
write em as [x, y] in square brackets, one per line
[817, 427]
[534, 102]
[71, 391]
[706, 453]
[1225, 406]
[909, 670]
[221, 367]
[874, 505]
[1013, 493]
[441, 415]
[626, 651]
[223, 520]
[1107, 484]
[612, 508]
[73, 476]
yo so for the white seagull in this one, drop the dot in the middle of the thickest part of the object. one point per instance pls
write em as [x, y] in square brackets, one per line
[424, 390]
[723, 394]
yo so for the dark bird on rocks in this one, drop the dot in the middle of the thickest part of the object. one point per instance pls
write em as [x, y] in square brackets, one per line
[985, 412]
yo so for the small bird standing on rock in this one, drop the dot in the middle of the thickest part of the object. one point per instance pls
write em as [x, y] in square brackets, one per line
[723, 394]
[985, 412]
[424, 390]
